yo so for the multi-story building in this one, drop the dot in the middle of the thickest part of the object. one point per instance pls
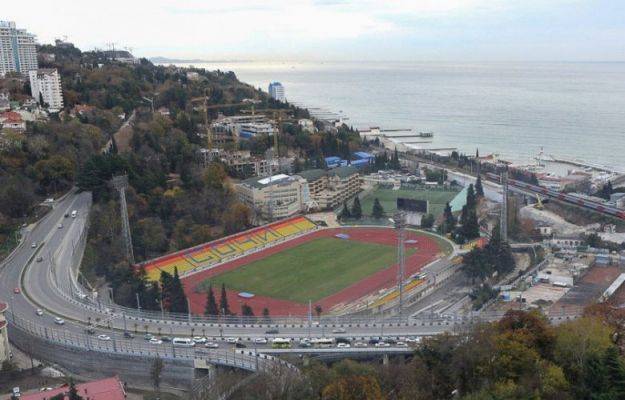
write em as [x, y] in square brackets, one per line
[5, 352]
[250, 130]
[13, 121]
[276, 91]
[18, 52]
[329, 189]
[274, 197]
[45, 84]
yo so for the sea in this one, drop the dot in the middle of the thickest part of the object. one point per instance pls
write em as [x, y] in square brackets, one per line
[516, 110]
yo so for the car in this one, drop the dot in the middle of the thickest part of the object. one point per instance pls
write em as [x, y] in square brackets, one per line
[343, 340]
[90, 330]
[39, 312]
[239, 345]
[390, 341]
[360, 344]
[212, 345]
[260, 340]
[33, 244]
[305, 345]
[401, 344]
[374, 340]
[60, 226]
[199, 340]
[413, 340]
[59, 321]
[17, 290]
[104, 338]
[129, 335]
[343, 345]
[155, 341]
[165, 338]
[39, 259]
[148, 336]
[272, 331]
[382, 344]
[232, 340]
[339, 330]
[66, 215]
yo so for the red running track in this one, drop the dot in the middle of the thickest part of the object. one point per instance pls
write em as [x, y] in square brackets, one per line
[427, 251]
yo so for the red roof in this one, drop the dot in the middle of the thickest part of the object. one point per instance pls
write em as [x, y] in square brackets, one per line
[3, 307]
[105, 389]
[11, 116]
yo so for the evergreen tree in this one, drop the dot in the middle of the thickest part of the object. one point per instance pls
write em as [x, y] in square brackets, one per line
[177, 296]
[246, 310]
[356, 209]
[377, 212]
[345, 214]
[211, 303]
[166, 285]
[224, 308]
[471, 227]
[427, 221]
[615, 372]
[479, 189]
[72, 393]
[471, 200]
[449, 221]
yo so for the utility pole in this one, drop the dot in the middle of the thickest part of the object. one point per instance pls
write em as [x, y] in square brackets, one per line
[121, 184]
[503, 224]
[400, 226]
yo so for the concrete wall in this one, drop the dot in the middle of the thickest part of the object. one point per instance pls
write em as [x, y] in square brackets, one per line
[134, 370]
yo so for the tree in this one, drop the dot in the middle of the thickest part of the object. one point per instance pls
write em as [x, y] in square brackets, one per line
[265, 313]
[427, 221]
[345, 214]
[479, 189]
[246, 310]
[177, 298]
[72, 393]
[377, 212]
[318, 310]
[211, 304]
[236, 218]
[155, 373]
[353, 388]
[224, 308]
[449, 221]
[356, 209]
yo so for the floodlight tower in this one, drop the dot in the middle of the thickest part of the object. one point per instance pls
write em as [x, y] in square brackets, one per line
[503, 224]
[121, 184]
[399, 219]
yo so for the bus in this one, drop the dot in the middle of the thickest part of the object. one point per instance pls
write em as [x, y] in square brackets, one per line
[280, 343]
[183, 342]
[322, 342]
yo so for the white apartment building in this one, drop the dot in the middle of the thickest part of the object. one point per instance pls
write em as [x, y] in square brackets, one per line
[276, 91]
[274, 197]
[17, 49]
[47, 82]
[328, 189]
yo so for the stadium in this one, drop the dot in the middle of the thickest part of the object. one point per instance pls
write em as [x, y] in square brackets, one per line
[287, 265]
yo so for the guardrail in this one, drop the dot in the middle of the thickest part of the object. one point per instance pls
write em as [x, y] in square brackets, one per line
[251, 361]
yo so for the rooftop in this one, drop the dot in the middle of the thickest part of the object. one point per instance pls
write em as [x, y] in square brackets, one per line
[259, 183]
[104, 389]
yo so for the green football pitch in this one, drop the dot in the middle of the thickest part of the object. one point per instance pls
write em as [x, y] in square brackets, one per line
[388, 199]
[310, 271]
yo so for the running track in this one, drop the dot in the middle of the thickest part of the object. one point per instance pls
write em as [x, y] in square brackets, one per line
[427, 251]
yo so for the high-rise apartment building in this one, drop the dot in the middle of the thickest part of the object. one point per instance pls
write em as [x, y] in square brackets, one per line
[276, 91]
[45, 84]
[18, 52]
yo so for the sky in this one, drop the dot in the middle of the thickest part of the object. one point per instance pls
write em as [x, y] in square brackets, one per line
[346, 30]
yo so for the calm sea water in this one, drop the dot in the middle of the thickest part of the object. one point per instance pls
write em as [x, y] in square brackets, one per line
[573, 110]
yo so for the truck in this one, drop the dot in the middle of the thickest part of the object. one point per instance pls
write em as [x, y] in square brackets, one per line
[74, 213]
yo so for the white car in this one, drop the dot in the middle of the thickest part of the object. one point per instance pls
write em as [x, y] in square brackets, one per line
[199, 340]
[339, 330]
[343, 345]
[60, 226]
[360, 344]
[401, 344]
[382, 344]
[59, 321]
[155, 341]
[260, 340]
[212, 345]
[33, 244]
[232, 340]
[104, 337]
[39, 312]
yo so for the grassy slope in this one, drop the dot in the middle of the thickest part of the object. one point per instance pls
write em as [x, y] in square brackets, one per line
[387, 197]
[312, 270]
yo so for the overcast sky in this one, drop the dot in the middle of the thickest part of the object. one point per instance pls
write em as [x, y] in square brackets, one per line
[499, 30]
